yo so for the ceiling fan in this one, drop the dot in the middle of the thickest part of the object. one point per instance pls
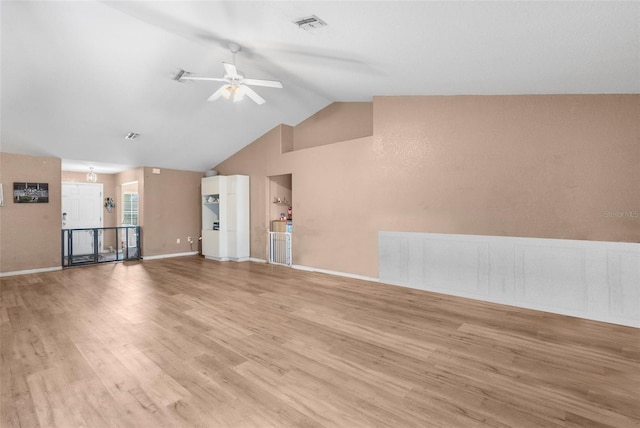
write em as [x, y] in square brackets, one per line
[236, 85]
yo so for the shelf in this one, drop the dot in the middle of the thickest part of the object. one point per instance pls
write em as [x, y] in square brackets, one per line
[280, 201]
[211, 199]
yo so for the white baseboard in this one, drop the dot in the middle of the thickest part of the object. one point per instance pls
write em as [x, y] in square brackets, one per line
[29, 271]
[256, 260]
[594, 280]
[333, 272]
[228, 259]
[167, 256]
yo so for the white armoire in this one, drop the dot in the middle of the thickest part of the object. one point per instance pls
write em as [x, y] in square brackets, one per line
[225, 217]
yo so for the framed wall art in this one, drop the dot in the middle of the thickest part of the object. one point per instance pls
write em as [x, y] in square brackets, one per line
[31, 193]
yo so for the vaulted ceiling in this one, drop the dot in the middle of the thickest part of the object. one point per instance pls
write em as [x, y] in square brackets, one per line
[76, 77]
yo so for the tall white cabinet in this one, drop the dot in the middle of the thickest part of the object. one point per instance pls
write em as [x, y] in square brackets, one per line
[225, 217]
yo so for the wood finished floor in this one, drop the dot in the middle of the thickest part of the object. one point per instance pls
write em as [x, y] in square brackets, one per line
[189, 342]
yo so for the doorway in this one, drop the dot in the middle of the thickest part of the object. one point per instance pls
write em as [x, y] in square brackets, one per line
[82, 208]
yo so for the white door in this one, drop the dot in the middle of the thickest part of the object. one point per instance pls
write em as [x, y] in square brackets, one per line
[82, 208]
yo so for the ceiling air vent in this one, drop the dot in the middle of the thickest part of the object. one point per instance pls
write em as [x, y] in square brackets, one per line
[131, 136]
[310, 22]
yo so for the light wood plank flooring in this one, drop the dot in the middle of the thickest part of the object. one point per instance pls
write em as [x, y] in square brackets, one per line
[190, 342]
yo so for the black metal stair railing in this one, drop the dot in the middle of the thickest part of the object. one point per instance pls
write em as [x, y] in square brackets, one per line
[100, 245]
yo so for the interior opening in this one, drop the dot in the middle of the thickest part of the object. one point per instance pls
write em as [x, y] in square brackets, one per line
[280, 219]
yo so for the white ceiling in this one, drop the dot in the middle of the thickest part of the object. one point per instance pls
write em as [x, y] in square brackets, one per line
[76, 77]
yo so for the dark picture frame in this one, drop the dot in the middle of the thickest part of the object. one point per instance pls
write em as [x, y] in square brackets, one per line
[31, 193]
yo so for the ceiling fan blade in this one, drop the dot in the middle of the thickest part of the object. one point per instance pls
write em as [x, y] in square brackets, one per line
[215, 79]
[230, 70]
[267, 83]
[252, 94]
[217, 94]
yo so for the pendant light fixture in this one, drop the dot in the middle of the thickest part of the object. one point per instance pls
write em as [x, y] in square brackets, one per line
[91, 176]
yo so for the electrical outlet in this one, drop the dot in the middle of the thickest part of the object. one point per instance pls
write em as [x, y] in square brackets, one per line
[178, 241]
[189, 240]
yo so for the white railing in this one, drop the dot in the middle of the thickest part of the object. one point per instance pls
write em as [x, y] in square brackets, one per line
[280, 248]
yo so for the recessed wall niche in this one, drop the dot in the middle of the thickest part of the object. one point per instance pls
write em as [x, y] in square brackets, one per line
[280, 196]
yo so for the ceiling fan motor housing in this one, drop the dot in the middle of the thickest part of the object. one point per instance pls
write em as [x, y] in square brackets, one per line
[234, 47]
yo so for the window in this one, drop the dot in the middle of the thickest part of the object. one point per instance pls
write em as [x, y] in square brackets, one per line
[130, 209]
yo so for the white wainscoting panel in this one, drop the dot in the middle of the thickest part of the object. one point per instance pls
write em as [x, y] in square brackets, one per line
[589, 279]
[551, 276]
[464, 265]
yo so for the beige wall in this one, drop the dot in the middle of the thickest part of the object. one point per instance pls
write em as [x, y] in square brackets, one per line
[534, 166]
[337, 122]
[30, 233]
[172, 211]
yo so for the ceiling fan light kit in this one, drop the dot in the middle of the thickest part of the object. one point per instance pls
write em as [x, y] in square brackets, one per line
[235, 85]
